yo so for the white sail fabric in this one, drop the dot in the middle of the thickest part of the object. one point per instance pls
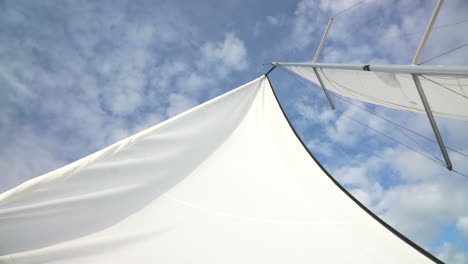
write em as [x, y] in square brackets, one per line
[447, 95]
[225, 182]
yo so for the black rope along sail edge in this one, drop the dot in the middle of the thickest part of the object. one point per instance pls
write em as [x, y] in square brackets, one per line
[382, 222]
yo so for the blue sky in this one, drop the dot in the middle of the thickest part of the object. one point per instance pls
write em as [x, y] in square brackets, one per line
[76, 76]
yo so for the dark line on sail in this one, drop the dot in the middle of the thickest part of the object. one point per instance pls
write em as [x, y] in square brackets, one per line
[382, 222]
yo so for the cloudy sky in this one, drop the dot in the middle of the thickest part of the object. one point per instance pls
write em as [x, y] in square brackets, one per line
[76, 76]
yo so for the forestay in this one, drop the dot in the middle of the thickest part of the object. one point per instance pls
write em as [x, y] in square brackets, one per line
[225, 182]
[447, 95]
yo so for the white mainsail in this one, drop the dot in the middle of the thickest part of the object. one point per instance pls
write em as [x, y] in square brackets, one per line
[225, 182]
[447, 95]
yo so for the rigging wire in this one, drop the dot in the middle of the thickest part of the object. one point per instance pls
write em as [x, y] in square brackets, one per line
[418, 144]
[409, 34]
[443, 86]
[349, 8]
[445, 53]
[295, 49]
[436, 28]
[398, 127]
[450, 24]
[385, 135]
[459, 173]
[369, 20]
[437, 160]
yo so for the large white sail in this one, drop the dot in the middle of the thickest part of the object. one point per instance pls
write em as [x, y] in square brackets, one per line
[225, 182]
[447, 95]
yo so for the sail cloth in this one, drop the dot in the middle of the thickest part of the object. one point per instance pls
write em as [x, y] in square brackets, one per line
[447, 95]
[225, 182]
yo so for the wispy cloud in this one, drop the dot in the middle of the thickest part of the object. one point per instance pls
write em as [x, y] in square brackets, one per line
[89, 84]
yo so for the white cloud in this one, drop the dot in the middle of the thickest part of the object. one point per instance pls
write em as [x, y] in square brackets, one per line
[195, 82]
[352, 176]
[462, 225]
[416, 209]
[363, 196]
[336, 6]
[224, 57]
[257, 29]
[36, 158]
[127, 93]
[91, 84]
[326, 115]
[412, 166]
[148, 120]
[453, 253]
[384, 41]
[179, 103]
[272, 20]
[164, 73]
[426, 198]
[307, 20]
[413, 194]
[362, 179]
[306, 110]
[346, 131]
[275, 20]
[320, 146]
[20, 89]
